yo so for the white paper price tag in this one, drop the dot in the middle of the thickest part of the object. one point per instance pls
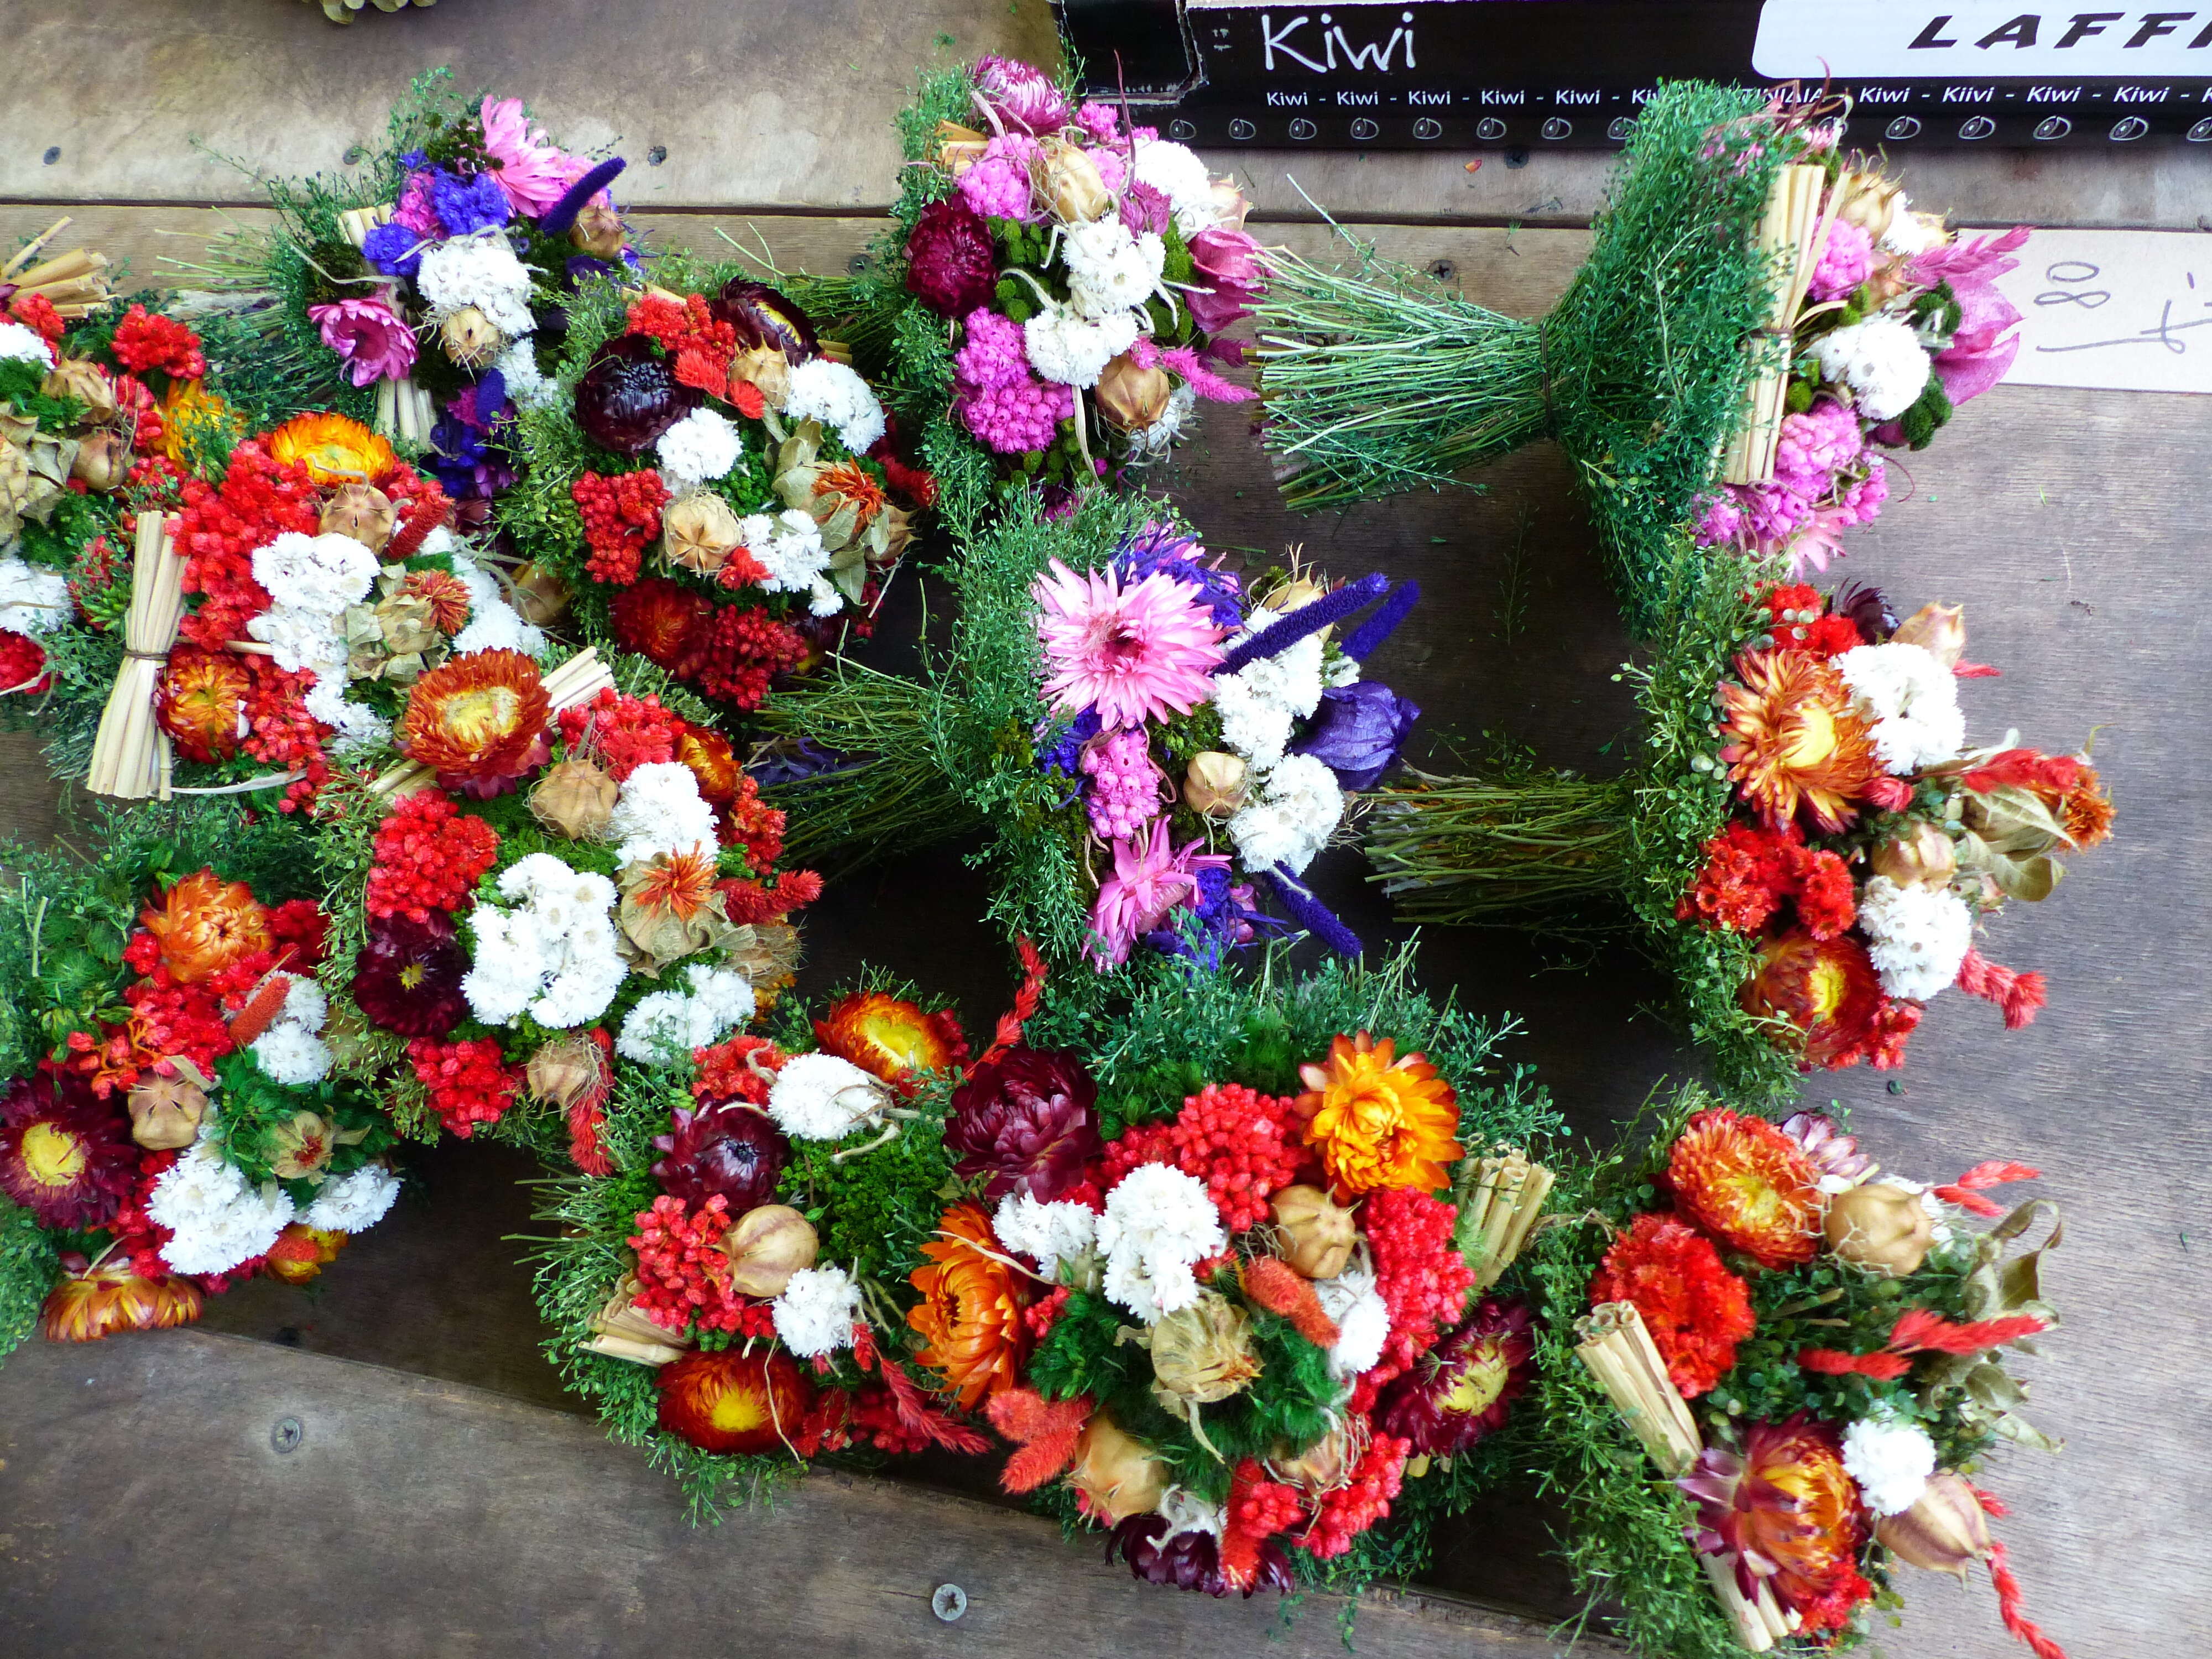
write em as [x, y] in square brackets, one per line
[2130, 309]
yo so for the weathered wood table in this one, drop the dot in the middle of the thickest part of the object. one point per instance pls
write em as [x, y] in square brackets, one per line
[442, 1499]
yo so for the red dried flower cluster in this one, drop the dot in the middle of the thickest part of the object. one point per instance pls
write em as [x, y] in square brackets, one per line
[281, 731]
[22, 663]
[684, 1276]
[1345, 1513]
[748, 902]
[36, 313]
[1828, 635]
[1695, 1309]
[732, 1069]
[625, 732]
[467, 1082]
[154, 482]
[136, 407]
[1243, 1144]
[220, 525]
[700, 347]
[1421, 1279]
[1751, 872]
[1040, 1316]
[144, 342]
[750, 823]
[1259, 1507]
[621, 515]
[748, 649]
[429, 857]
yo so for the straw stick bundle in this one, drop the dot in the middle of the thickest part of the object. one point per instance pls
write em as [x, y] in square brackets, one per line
[131, 756]
[74, 283]
[1500, 1196]
[620, 1332]
[403, 410]
[1758, 1623]
[1622, 1356]
[1791, 232]
[578, 680]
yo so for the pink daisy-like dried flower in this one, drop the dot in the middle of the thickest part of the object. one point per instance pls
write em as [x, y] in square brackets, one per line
[1151, 878]
[531, 169]
[1136, 653]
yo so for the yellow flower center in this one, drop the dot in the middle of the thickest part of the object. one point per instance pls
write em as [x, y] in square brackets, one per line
[737, 1411]
[480, 717]
[1812, 736]
[1824, 988]
[411, 976]
[1479, 1382]
[54, 1157]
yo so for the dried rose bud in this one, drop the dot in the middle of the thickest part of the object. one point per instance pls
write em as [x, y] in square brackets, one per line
[1938, 629]
[1318, 1234]
[766, 1247]
[103, 459]
[469, 338]
[1923, 858]
[1129, 397]
[73, 377]
[1069, 181]
[576, 798]
[597, 231]
[1946, 1530]
[1116, 1473]
[698, 532]
[1292, 595]
[1229, 205]
[1214, 786]
[165, 1113]
[1879, 1227]
[540, 597]
[1204, 1353]
[361, 511]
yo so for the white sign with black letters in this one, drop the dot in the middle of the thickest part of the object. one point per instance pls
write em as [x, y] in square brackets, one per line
[1982, 39]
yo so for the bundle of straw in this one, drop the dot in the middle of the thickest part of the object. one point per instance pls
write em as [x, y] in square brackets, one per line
[1758, 1623]
[575, 682]
[1791, 232]
[74, 283]
[1626, 1362]
[131, 756]
[1500, 1198]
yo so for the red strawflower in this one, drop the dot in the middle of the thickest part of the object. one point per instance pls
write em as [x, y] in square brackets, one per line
[302, 932]
[429, 857]
[667, 625]
[36, 313]
[621, 515]
[1342, 1515]
[65, 1157]
[1421, 1279]
[1828, 990]
[468, 1082]
[621, 732]
[1243, 1144]
[1695, 1309]
[1784, 1512]
[735, 1400]
[144, 342]
[1464, 1388]
[22, 664]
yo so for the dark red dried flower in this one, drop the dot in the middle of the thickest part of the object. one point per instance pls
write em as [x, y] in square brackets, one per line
[630, 395]
[65, 1157]
[725, 1147]
[1028, 1120]
[408, 976]
[1464, 1387]
[762, 317]
[1190, 1560]
[952, 263]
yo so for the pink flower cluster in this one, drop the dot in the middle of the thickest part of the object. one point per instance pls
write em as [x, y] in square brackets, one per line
[998, 185]
[1126, 784]
[1846, 260]
[1813, 495]
[999, 400]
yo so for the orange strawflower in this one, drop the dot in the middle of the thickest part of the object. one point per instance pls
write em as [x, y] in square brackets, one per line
[1749, 1185]
[202, 924]
[1789, 1512]
[478, 717]
[86, 1305]
[713, 762]
[198, 700]
[1828, 990]
[970, 1317]
[849, 484]
[2086, 810]
[334, 449]
[1378, 1121]
[300, 1252]
[738, 1401]
[890, 1037]
[1794, 742]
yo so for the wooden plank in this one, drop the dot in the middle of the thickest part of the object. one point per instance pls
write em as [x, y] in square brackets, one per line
[416, 1518]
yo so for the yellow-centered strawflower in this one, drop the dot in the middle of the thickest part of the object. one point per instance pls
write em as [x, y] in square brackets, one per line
[1378, 1121]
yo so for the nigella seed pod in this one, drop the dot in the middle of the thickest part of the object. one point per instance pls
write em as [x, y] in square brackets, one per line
[361, 511]
[1946, 1530]
[1318, 1234]
[1879, 1227]
[767, 1246]
[1924, 857]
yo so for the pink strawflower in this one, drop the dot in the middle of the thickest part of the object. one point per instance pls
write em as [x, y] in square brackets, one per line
[531, 168]
[1151, 881]
[1137, 653]
[1021, 96]
[1844, 262]
[1126, 784]
[1816, 445]
[374, 342]
[998, 185]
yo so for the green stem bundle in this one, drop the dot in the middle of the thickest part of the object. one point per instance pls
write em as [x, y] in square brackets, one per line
[1465, 851]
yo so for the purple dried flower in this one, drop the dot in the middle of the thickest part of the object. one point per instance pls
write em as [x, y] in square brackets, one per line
[1358, 730]
[630, 395]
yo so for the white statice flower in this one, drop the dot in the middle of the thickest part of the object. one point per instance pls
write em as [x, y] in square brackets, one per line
[1917, 936]
[822, 1098]
[31, 601]
[1881, 360]
[21, 344]
[354, 1202]
[312, 640]
[1913, 701]
[1070, 349]
[815, 1314]
[1891, 1461]
[1291, 816]
[1050, 1235]
[219, 1219]
[1178, 174]
[787, 547]
[480, 272]
[698, 449]
[666, 1025]
[1160, 1224]
[1362, 1320]
[493, 624]
[359, 728]
[659, 810]
[1110, 268]
[525, 383]
[554, 956]
[325, 573]
[823, 389]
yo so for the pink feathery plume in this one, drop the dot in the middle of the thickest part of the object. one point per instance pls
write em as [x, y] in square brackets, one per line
[2018, 995]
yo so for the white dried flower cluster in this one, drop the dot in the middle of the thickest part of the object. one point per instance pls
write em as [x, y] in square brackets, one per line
[1261, 702]
[814, 1316]
[660, 811]
[1068, 349]
[1917, 936]
[1362, 1320]
[1913, 701]
[354, 1202]
[25, 345]
[311, 580]
[217, 1218]
[1881, 360]
[317, 575]
[667, 1025]
[1160, 1224]
[1290, 816]
[822, 1098]
[525, 383]
[31, 601]
[1891, 1461]
[554, 956]
[699, 448]
[480, 272]
[493, 624]
[1050, 1235]
[1110, 268]
[787, 547]
[1178, 174]
[823, 389]
[1910, 233]
[292, 1051]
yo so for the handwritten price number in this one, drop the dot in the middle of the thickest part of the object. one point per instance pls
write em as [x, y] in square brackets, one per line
[2072, 272]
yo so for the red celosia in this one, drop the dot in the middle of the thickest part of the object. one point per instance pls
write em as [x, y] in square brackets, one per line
[700, 346]
[429, 857]
[1344, 1514]
[739, 1069]
[1752, 871]
[1421, 1279]
[1279, 1288]
[1258, 1509]
[750, 823]
[746, 649]
[219, 526]
[422, 507]
[1921, 1330]
[740, 570]
[621, 732]
[469, 1085]
[147, 341]
[1694, 1308]
[621, 515]
[2024, 769]
[36, 313]
[1966, 1191]
[2020, 996]
[302, 932]
[1243, 1144]
[1047, 1432]
[22, 664]
[683, 1275]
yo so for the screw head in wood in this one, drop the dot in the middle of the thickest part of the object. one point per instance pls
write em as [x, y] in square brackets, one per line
[286, 1434]
[948, 1602]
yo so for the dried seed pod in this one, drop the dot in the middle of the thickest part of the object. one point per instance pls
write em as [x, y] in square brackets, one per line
[1318, 1234]
[1879, 1227]
[576, 798]
[698, 532]
[766, 1247]
[103, 459]
[165, 1113]
[1924, 857]
[1946, 1530]
[361, 511]
[1116, 1473]
[1938, 629]
[1214, 786]
[1204, 1353]
[540, 597]
[597, 231]
[1132, 398]
[470, 339]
